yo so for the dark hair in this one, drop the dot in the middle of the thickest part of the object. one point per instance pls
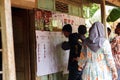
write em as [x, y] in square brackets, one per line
[82, 29]
[67, 28]
[108, 29]
[118, 25]
[117, 29]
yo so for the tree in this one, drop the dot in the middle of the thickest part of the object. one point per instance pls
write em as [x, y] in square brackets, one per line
[114, 15]
[88, 11]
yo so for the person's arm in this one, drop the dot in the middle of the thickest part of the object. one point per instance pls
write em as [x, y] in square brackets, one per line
[71, 42]
[65, 45]
[109, 59]
[82, 59]
[113, 43]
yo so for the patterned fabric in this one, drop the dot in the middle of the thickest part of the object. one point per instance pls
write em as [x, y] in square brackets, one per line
[115, 44]
[118, 74]
[97, 65]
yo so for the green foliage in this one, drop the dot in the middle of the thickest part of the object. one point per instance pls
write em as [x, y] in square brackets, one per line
[88, 12]
[114, 15]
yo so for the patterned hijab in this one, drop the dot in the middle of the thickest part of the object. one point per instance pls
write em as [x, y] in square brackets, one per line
[96, 36]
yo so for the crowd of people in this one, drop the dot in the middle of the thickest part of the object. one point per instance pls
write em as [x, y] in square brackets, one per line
[94, 57]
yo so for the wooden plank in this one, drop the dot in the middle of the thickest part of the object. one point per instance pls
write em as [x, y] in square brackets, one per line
[72, 2]
[32, 45]
[108, 2]
[114, 2]
[26, 4]
[7, 41]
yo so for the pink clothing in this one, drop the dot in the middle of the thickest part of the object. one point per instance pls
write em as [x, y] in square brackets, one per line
[115, 45]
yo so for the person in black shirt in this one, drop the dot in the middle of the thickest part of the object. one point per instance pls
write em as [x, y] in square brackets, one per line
[82, 30]
[75, 49]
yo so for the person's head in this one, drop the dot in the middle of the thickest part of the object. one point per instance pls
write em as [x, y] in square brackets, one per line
[109, 31]
[82, 29]
[117, 29]
[96, 31]
[96, 36]
[67, 30]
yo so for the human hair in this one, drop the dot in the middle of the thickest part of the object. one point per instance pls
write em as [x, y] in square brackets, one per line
[118, 25]
[67, 28]
[108, 29]
[117, 29]
[82, 29]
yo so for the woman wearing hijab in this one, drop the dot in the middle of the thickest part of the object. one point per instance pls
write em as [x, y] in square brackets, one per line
[96, 57]
[116, 49]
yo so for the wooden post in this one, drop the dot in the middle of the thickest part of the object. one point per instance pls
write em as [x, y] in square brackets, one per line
[103, 16]
[7, 41]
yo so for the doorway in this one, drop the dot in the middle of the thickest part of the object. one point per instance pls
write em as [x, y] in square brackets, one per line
[21, 33]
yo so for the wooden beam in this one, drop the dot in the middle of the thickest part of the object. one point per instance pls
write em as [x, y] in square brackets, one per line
[32, 45]
[103, 12]
[72, 2]
[114, 2]
[108, 2]
[7, 41]
[103, 16]
[25, 4]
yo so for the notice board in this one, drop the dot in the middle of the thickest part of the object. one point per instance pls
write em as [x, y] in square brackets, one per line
[50, 57]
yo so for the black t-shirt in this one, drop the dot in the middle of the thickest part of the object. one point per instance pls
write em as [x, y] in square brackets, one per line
[75, 49]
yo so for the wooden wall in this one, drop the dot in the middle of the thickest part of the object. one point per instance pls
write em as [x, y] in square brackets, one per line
[27, 4]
